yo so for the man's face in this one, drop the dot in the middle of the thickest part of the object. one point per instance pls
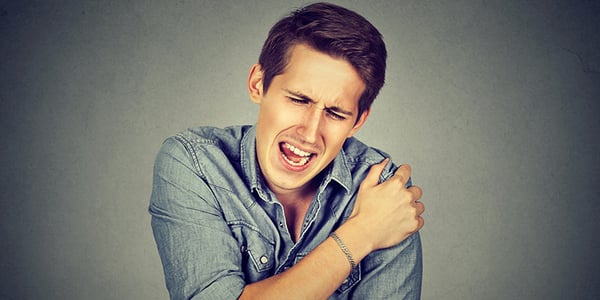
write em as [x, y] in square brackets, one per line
[305, 116]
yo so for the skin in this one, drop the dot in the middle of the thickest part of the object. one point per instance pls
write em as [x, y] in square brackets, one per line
[313, 106]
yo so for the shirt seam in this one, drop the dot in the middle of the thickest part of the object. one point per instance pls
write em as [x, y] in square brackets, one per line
[189, 147]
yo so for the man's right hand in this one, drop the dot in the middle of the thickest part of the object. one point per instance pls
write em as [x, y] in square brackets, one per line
[387, 212]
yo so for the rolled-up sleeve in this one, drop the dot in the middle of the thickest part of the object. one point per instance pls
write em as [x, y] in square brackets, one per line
[201, 259]
[392, 273]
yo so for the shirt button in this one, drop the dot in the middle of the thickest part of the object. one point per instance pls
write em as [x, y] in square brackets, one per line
[264, 259]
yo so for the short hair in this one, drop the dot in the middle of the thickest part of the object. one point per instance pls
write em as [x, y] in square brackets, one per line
[330, 29]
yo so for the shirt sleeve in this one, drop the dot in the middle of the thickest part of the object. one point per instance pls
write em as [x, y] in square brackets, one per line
[392, 273]
[201, 259]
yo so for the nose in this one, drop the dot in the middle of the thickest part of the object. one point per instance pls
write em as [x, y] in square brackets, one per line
[311, 125]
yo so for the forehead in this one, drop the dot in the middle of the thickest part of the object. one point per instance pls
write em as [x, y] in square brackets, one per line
[321, 76]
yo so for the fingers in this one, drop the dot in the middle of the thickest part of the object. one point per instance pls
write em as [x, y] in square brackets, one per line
[420, 208]
[372, 178]
[416, 191]
[403, 173]
[420, 223]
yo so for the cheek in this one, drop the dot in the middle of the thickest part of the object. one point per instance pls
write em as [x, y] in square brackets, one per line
[267, 118]
[281, 116]
[272, 119]
[335, 137]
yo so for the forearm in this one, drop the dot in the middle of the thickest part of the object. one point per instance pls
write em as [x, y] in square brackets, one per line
[317, 275]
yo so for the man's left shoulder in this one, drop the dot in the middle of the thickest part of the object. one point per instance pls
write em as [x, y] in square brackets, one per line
[357, 152]
[359, 157]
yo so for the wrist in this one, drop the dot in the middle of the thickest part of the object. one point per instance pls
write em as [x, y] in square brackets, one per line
[344, 249]
[356, 239]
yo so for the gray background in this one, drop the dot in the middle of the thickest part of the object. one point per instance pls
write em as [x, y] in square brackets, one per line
[494, 103]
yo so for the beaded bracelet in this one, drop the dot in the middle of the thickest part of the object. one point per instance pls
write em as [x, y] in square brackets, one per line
[337, 239]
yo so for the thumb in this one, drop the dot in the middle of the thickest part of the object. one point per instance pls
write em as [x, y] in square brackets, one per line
[372, 178]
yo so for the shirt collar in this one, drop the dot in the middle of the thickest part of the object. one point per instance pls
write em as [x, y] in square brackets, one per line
[249, 161]
[337, 170]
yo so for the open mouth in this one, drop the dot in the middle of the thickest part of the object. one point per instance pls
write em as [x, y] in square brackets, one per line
[294, 156]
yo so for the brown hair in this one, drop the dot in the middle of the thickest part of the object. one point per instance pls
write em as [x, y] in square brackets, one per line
[334, 30]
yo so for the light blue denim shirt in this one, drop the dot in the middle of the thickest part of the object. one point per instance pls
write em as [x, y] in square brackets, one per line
[218, 227]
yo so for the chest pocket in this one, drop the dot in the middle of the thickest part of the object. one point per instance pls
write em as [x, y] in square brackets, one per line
[348, 283]
[258, 253]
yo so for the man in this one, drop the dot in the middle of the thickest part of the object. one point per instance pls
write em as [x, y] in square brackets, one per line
[293, 207]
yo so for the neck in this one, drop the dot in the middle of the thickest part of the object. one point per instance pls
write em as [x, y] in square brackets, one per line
[295, 205]
[304, 193]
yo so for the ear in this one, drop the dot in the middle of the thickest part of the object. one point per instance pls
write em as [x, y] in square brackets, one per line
[255, 83]
[360, 122]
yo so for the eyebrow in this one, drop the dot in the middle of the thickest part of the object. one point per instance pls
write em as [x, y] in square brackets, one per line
[336, 109]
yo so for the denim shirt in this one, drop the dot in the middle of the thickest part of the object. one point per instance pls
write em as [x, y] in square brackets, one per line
[218, 227]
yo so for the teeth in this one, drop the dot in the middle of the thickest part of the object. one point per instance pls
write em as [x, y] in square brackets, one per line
[297, 151]
[303, 161]
[300, 163]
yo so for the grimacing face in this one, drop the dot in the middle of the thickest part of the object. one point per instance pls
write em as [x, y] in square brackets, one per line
[304, 117]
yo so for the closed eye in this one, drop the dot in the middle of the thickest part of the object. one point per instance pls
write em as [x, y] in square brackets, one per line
[334, 112]
[299, 101]
[334, 115]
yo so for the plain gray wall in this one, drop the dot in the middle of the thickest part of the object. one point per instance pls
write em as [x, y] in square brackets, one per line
[495, 104]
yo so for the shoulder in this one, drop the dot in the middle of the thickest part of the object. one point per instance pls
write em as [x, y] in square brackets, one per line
[196, 146]
[214, 138]
[208, 135]
[359, 157]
